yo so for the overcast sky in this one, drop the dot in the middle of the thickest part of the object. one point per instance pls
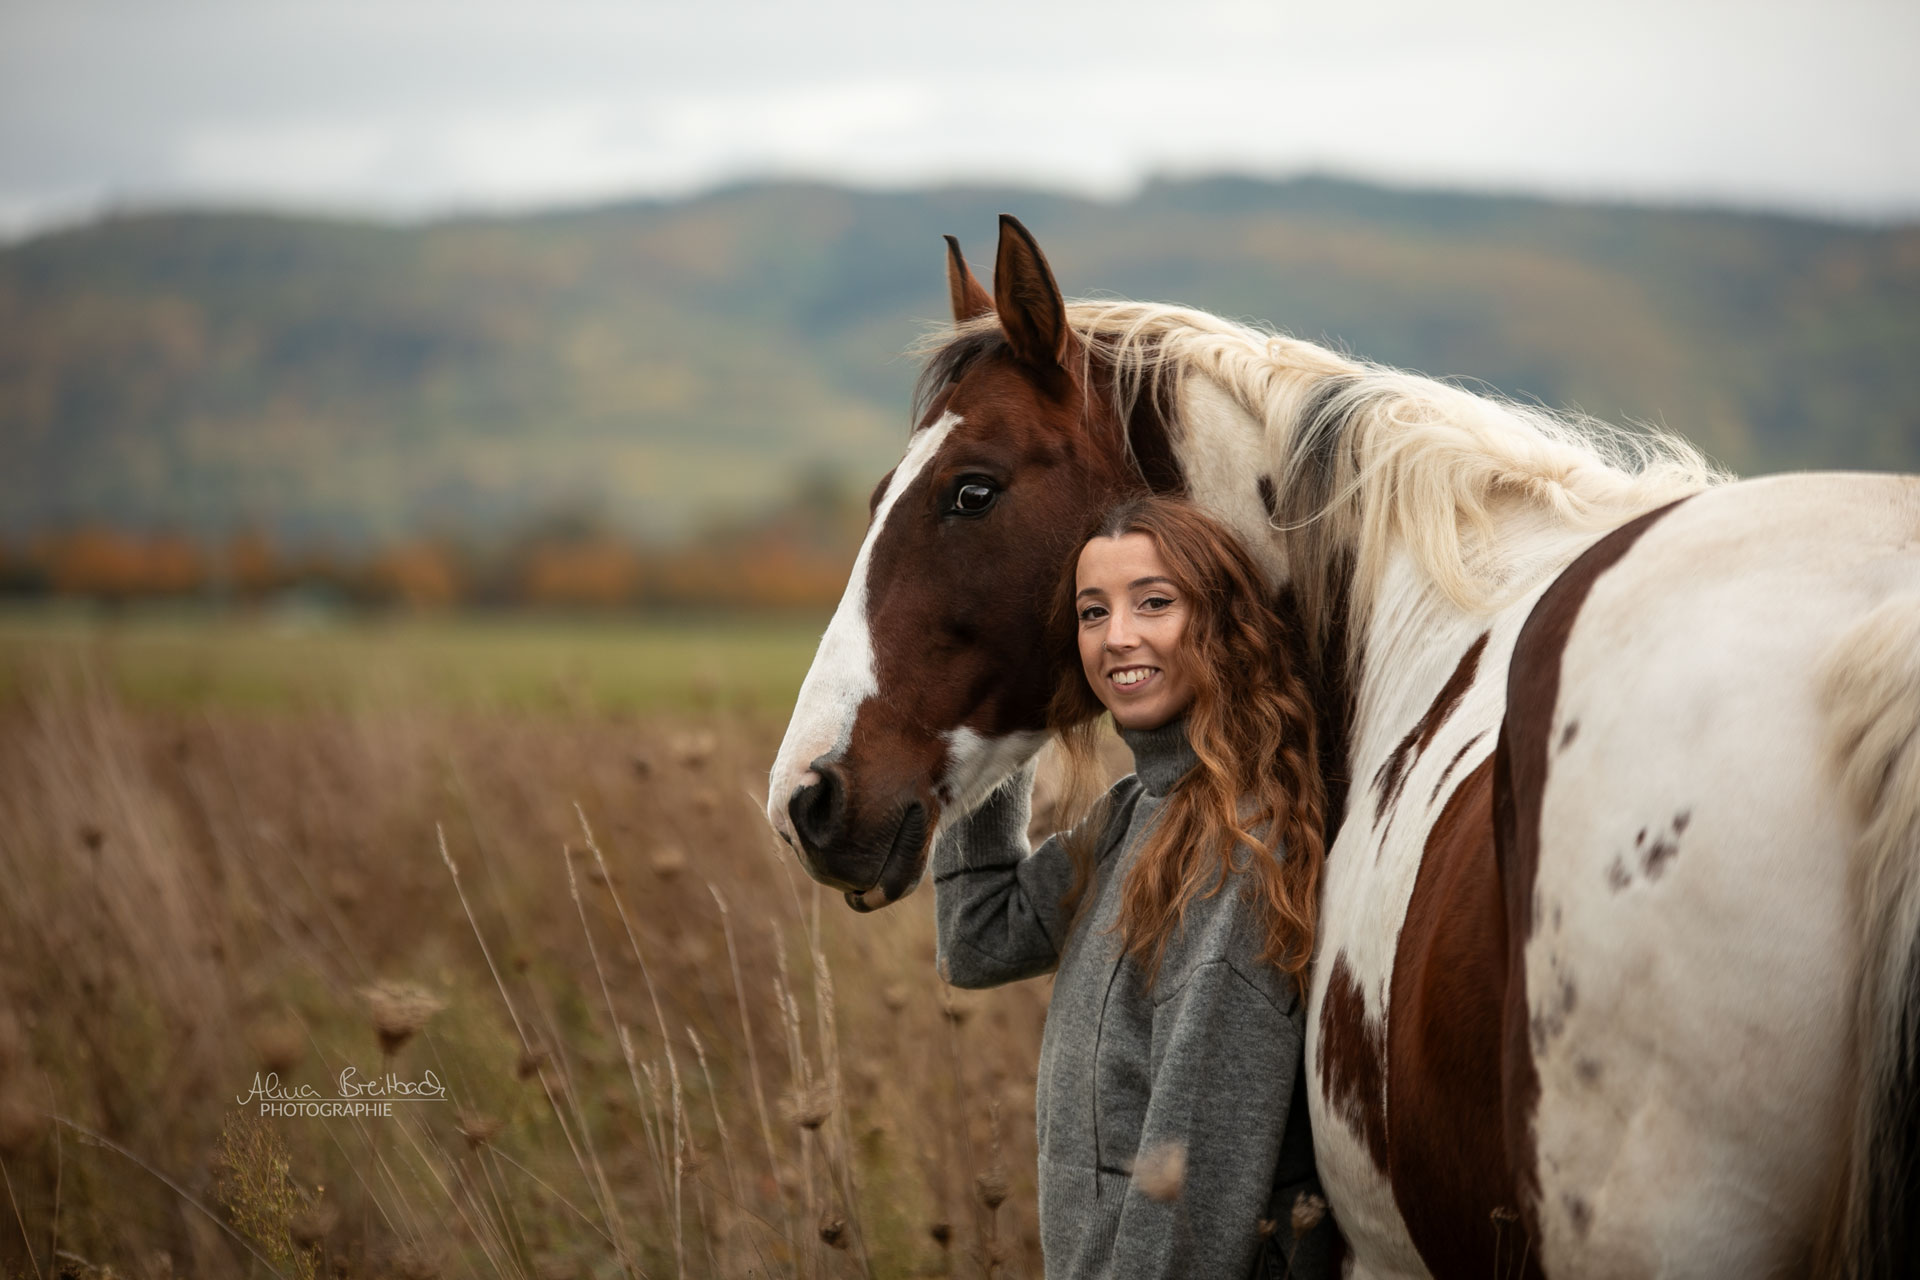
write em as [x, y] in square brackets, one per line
[420, 106]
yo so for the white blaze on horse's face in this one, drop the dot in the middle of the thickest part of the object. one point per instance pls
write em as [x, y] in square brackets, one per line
[842, 675]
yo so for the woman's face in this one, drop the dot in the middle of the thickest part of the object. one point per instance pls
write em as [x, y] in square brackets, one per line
[1133, 621]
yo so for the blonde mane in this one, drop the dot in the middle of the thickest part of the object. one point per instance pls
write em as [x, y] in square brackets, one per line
[1365, 458]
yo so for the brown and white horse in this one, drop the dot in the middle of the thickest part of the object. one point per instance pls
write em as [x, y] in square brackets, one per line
[1620, 948]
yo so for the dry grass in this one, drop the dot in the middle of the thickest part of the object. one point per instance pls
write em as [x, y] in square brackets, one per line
[666, 1052]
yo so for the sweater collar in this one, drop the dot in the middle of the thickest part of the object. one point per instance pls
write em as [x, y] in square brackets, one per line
[1162, 756]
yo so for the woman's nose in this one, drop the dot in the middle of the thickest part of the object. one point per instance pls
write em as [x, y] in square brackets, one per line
[1120, 633]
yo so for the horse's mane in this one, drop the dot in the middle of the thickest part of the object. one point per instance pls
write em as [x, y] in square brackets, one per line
[1365, 456]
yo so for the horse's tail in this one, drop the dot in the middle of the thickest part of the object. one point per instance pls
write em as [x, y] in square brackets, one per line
[1872, 686]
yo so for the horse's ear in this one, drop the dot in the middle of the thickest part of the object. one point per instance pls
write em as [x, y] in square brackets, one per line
[970, 298]
[1028, 300]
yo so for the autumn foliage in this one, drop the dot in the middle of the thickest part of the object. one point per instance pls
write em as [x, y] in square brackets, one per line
[798, 559]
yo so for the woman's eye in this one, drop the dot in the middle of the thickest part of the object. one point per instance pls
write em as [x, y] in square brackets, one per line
[1156, 602]
[974, 496]
[1092, 613]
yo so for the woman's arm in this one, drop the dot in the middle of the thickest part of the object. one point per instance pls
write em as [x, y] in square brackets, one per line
[997, 905]
[1227, 1046]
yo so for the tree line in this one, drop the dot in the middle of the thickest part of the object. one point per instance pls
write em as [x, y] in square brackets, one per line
[788, 564]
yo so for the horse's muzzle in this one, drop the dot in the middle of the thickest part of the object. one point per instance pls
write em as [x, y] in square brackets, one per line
[872, 862]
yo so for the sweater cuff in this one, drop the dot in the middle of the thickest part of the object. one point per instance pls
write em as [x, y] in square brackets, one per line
[993, 835]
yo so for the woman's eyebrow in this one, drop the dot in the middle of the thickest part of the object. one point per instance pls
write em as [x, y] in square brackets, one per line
[1090, 591]
[1141, 582]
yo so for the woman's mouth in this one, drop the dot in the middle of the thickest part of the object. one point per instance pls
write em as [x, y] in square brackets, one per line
[1132, 679]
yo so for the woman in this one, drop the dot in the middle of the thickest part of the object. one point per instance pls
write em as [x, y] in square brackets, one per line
[1177, 916]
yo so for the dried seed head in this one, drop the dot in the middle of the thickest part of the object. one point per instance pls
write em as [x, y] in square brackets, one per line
[1265, 1227]
[669, 861]
[414, 1262]
[1161, 1171]
[694, 749]
[13, 1040]
[313, 1224]
[279, 1046]
[533, 1060]
[833, 1229]
[20, 1122]
[942, 1233]
[992, 1187]
[399, 1010]
[1307, 1212]
[479, 1130]
[809, 1107]
[346, 889]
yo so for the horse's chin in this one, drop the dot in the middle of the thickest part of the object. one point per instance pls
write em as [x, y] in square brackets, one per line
[906, 863]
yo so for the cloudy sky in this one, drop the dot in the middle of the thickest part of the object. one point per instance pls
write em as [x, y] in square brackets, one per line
[410, 107]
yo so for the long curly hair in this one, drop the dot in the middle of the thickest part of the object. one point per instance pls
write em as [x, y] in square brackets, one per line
[1255, 803]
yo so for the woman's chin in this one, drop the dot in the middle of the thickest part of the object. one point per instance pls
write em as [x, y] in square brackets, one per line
[1150, 715]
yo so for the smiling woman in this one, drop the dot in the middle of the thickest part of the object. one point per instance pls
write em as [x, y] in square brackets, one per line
[1132, 616]
[1176, 916]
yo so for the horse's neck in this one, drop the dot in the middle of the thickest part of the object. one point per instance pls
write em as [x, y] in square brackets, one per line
[1394, 648]
[1415, 641]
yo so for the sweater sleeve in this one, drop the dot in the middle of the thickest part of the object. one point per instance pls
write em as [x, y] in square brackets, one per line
[997, 905]
[1226, 1049]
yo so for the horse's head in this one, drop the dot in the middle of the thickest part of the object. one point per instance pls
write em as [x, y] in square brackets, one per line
[931, 683]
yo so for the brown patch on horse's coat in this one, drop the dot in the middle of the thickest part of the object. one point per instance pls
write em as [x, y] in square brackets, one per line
[1458, 756]
[1449, 1164]
[1659, 853]
[1546, 1025]
[1588, 1070]
[1618, 877]
[1393, 773]
[1150, 436]
[1331, 674]
[1579, 1214]
[1351, 1060]
[1568, 734]
[1520, 783]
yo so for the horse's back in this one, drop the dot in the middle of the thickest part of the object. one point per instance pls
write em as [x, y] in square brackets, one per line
[1691, 945]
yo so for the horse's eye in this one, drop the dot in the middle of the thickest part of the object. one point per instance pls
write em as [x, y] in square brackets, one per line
[974, 496]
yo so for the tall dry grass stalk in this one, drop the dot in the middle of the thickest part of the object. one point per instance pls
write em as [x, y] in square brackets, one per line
[668, 1055]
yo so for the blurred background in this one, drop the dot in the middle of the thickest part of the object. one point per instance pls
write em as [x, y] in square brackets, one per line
[430, 432]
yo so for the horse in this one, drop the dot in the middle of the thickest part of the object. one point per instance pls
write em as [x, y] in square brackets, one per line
[1620, 934]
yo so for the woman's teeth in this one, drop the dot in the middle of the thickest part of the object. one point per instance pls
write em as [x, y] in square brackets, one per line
[1133, 675]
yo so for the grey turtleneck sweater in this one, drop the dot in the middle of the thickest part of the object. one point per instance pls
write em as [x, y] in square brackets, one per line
[1204, 1061]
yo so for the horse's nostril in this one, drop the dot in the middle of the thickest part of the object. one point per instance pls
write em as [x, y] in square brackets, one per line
[818, 809]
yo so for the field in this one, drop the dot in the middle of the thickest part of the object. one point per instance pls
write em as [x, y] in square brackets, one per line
[527, 858]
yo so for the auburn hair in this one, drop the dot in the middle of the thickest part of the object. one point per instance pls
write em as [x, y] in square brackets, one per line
[1255, 803]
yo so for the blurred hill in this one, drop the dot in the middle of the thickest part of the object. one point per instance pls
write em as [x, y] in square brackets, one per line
[663, 364]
